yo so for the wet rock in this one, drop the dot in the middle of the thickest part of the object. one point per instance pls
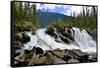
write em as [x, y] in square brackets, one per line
[59, 53]
[39, 50]
[47, 58]
[82, 57]
[69, 31]
[36, 56]
[36, 50]
[64, 39]
[93, 57]
[59, 61]
[16, 54]
[51, 32]
[77, 54]
[18, 36]
[36, 60]
[73, 61]
[22, 37]
[67, 57]
[17, 45]
[33, 32]
[25, 39]
[68, 36]
[21, 64]
[70, 53]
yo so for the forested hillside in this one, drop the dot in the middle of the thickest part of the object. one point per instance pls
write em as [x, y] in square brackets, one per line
[86, 19]
[26, 17]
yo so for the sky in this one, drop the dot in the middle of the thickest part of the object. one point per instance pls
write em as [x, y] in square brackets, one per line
[67, 9]
[62, 9]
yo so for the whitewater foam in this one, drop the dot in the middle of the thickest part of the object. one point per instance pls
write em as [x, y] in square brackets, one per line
[83, 41]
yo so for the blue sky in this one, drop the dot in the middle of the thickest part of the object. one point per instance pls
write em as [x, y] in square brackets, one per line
[62, 9]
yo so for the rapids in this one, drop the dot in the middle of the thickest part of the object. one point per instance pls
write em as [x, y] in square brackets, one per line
[83, 41]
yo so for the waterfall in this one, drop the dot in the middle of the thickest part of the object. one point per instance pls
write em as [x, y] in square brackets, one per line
[83, 41]
[86, 42]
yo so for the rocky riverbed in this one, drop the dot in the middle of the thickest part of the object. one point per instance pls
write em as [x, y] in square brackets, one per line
[54, 46]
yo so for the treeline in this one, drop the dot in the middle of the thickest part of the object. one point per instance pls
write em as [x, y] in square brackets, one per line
[86, 19]
[24, 15]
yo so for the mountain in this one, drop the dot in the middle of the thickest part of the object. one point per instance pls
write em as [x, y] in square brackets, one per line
[50, 17]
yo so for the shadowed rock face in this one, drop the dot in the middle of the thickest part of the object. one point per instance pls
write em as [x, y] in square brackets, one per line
[51, 32]
[60, 32]
[39, 50]
[68, 35]
[65, 40]
[25, 38]
[22, 37]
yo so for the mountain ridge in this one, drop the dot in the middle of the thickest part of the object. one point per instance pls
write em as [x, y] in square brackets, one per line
[50, 17]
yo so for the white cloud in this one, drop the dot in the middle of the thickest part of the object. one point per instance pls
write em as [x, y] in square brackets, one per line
[68, 12]
[43, 7]
[68, 9]
[48, 6]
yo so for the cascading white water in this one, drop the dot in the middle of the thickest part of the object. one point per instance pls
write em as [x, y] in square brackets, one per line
[46, 42]
[86, 42]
